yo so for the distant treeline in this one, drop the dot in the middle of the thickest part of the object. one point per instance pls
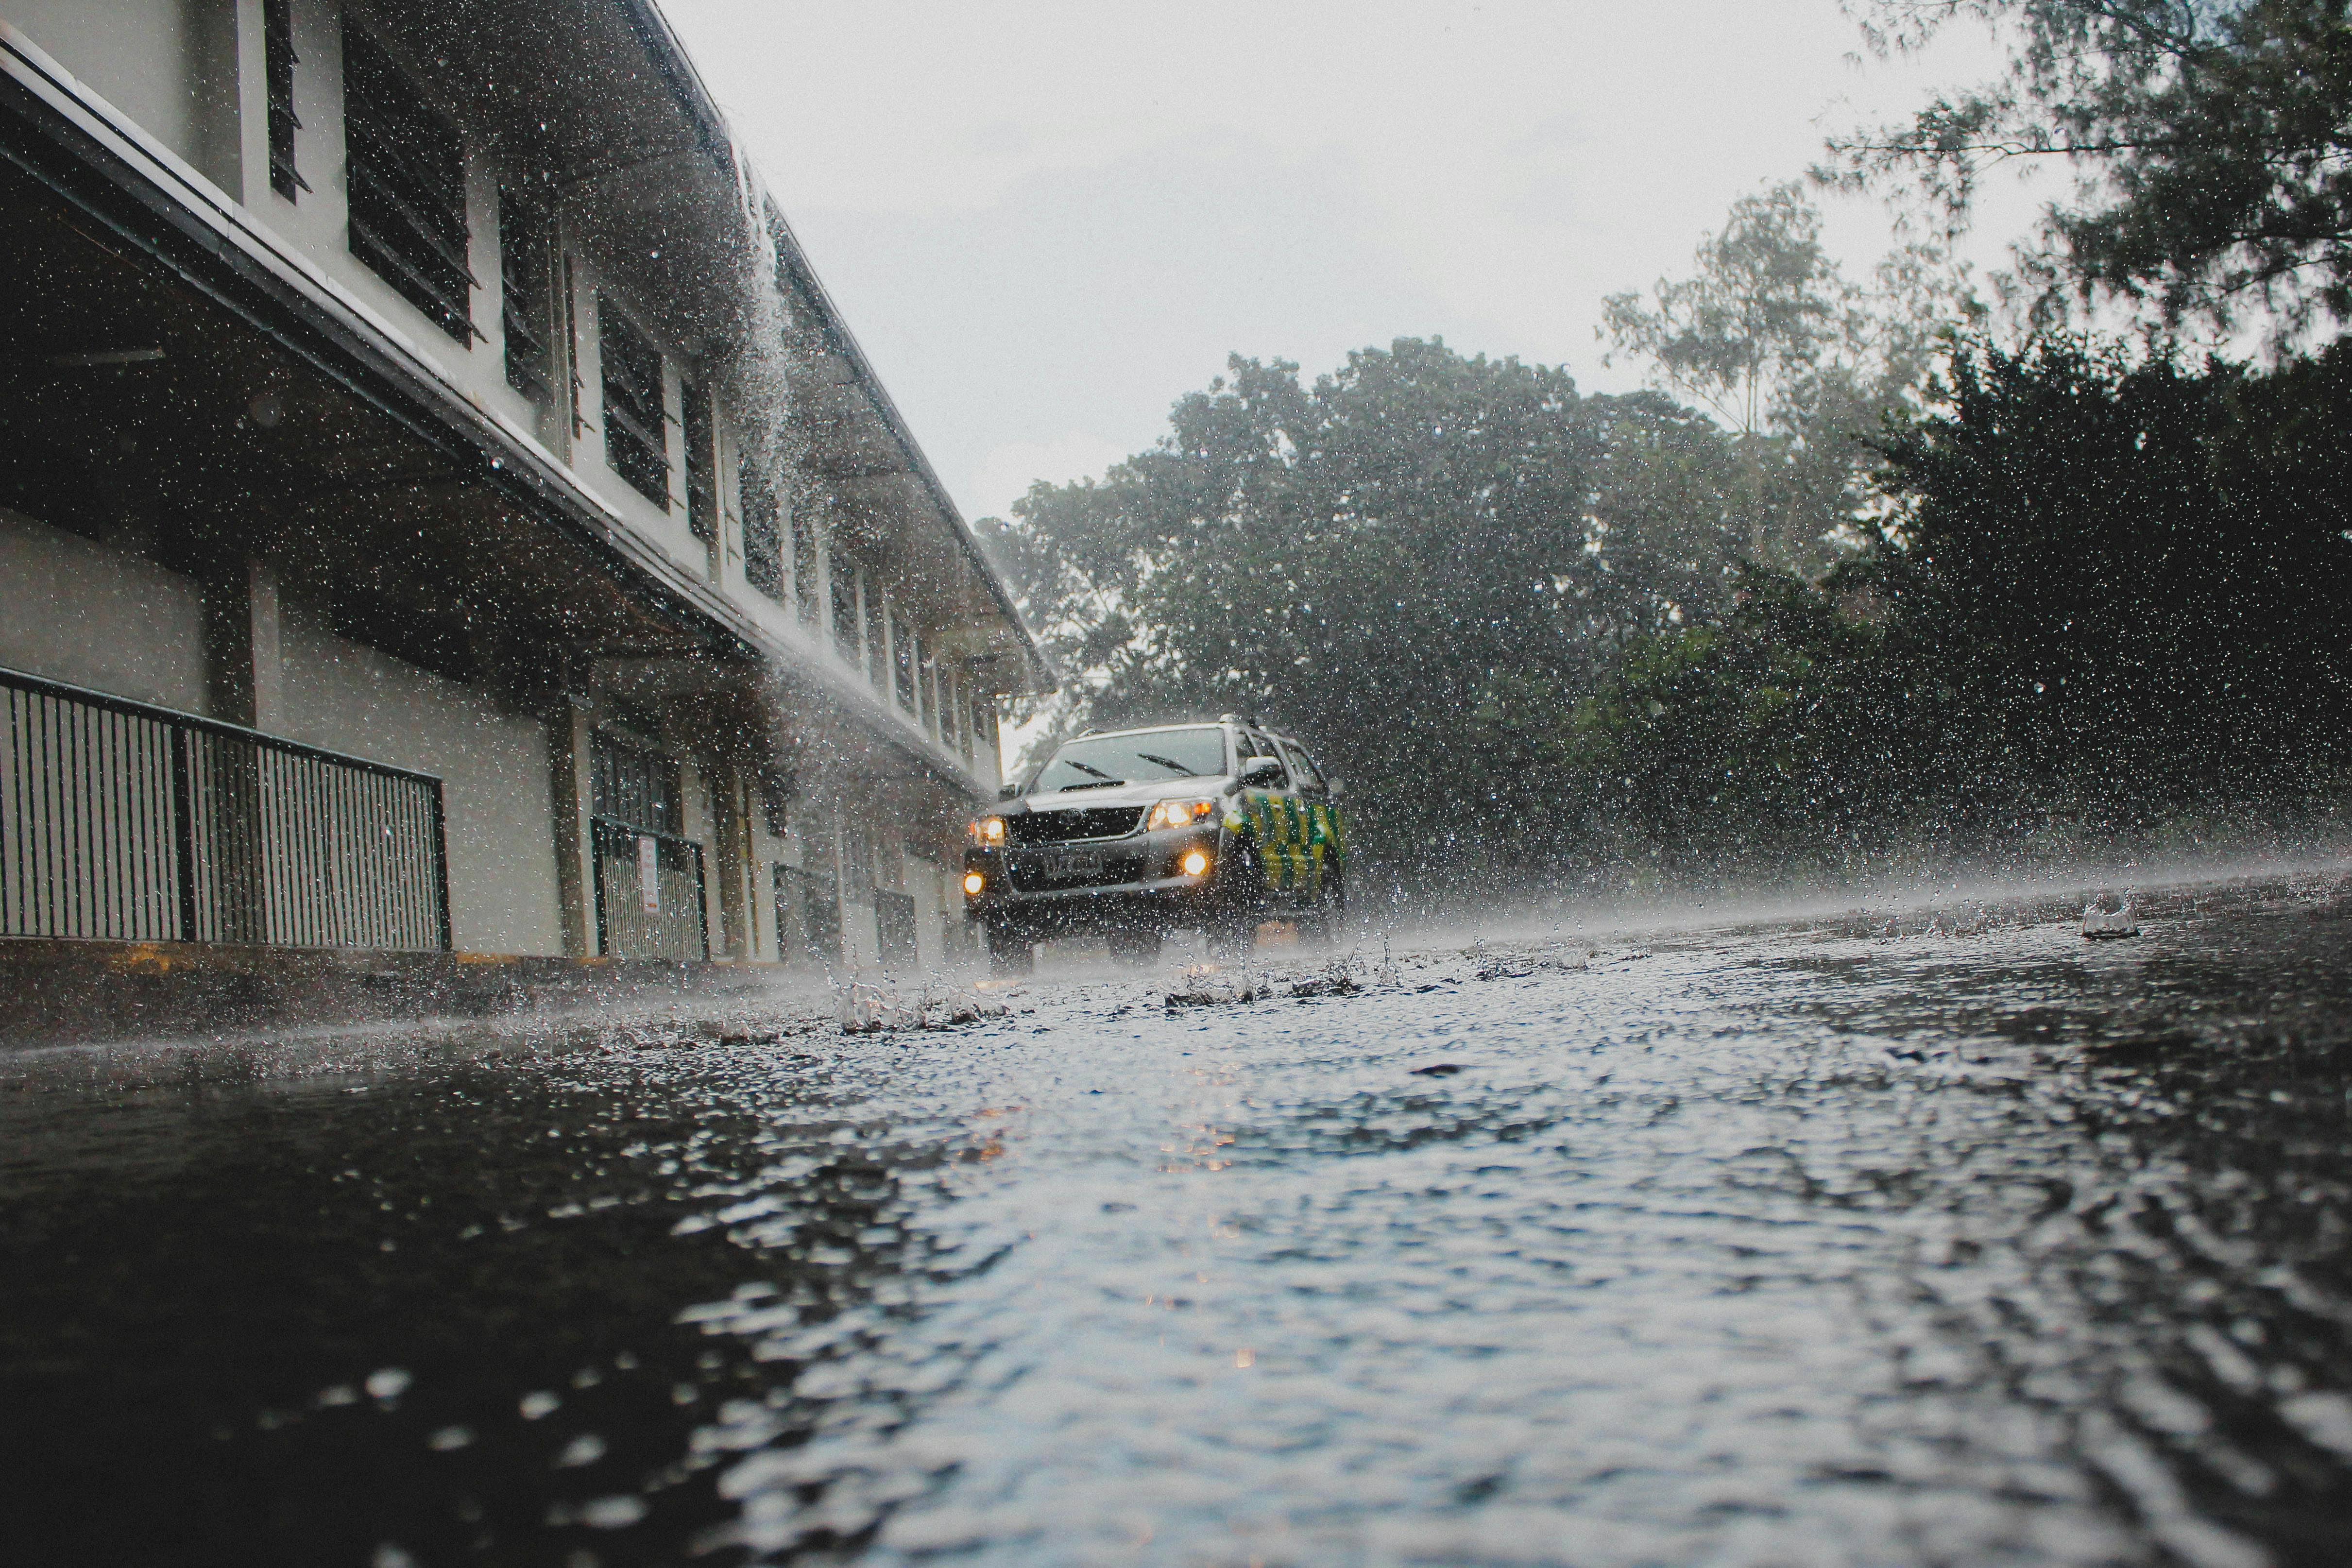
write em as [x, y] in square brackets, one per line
[2111, 607]
[2095, 597]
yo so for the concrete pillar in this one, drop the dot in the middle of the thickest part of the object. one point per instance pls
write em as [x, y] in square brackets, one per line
[573, 781]
[245, 670]
[245, 683]
[730, 832]
[868, 646]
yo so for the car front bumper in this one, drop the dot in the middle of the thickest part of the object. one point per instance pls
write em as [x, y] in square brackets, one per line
[1017, 898]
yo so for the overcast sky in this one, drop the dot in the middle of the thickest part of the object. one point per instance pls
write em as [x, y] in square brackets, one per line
[1047, 221]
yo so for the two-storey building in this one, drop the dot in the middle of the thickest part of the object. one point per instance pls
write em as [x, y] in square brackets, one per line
[439, 507]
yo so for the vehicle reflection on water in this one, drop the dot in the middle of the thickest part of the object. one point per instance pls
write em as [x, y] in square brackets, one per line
[1870, 1242]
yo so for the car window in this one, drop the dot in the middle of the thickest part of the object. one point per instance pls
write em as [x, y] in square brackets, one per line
[1301, 769]
[1148, 756]
[1262, 747]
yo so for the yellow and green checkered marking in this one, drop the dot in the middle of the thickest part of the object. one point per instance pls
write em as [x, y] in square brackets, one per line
[1296, 839]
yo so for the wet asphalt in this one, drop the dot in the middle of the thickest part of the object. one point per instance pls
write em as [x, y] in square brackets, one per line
[1947, 1238]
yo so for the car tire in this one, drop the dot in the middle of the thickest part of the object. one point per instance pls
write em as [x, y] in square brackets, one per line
[1007, 956]
[1134, 947]
[1231, 928]
[1326, 925]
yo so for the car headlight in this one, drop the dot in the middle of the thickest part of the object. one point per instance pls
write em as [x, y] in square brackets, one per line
[988, 832]
[1194, 864]
[974, 883]
[1178, 812]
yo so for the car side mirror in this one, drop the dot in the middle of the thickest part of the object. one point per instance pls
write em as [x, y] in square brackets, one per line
[1334, 788]
[1008, 792]
[1257, 770]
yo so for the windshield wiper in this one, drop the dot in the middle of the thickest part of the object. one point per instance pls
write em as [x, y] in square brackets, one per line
[1082, 767]
[1091, 784]
[1168, 763]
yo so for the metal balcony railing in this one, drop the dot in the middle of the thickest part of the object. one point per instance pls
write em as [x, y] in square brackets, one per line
[123, 822]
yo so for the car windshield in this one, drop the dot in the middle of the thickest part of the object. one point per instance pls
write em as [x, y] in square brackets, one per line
[1101, 761]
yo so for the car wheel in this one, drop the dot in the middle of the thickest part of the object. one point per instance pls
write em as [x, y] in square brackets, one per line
[1134, 947]
[1241, 903]
[1008, 956]
[1327, 923]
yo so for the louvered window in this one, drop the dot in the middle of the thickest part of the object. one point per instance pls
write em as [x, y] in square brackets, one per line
[635, 442]
[407, 188]
[702, 469]
[525, 255]
[278, 62]
[636, 789]
[763, 562]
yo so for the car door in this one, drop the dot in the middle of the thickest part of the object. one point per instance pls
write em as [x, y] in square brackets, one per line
[1289, 857]
[1318, 814]
[1266, 805]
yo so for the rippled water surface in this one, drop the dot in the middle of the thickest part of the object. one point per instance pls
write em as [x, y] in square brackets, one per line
[1831, 1243]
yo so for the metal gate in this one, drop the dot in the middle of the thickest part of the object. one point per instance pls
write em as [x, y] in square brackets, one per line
[648, 894]
[119, 821]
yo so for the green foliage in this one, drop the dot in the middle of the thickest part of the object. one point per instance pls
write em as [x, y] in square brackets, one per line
[1359, 559]
[1774, 739]
[1803, 365]
[2213, 143]
[2098, 586]
[1754, 320]
[2139, 567]
[2109, 603]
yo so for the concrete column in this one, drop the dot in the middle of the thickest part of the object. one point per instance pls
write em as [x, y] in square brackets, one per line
[244, 684]
[867, 654]
[989, 758]
[245, 671]
[730, 832]
[252, 80]
[587, 348]
[573, 781]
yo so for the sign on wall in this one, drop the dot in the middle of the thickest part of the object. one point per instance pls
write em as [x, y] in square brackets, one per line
[648, 863]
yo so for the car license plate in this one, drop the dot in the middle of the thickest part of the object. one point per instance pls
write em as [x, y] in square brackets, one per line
[1081, 865]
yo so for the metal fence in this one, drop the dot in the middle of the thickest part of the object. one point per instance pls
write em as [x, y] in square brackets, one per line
[648, 894]
[124, 822]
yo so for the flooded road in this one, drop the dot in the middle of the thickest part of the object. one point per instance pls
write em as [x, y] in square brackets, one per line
[1948, 1240]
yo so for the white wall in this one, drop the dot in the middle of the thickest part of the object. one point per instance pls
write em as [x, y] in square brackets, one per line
[494, 767]
[169, 64]
[100, 617]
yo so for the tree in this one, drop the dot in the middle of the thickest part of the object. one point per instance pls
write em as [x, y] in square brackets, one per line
[1772, 740]
[2103, 609]
[1751, 323]
[2126, 567]
[2211, 139]
[1355, 561]
[1801, 363]
[1665, 525]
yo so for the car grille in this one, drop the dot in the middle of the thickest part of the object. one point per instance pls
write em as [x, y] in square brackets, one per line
[1061, 827]
[1045, 873]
